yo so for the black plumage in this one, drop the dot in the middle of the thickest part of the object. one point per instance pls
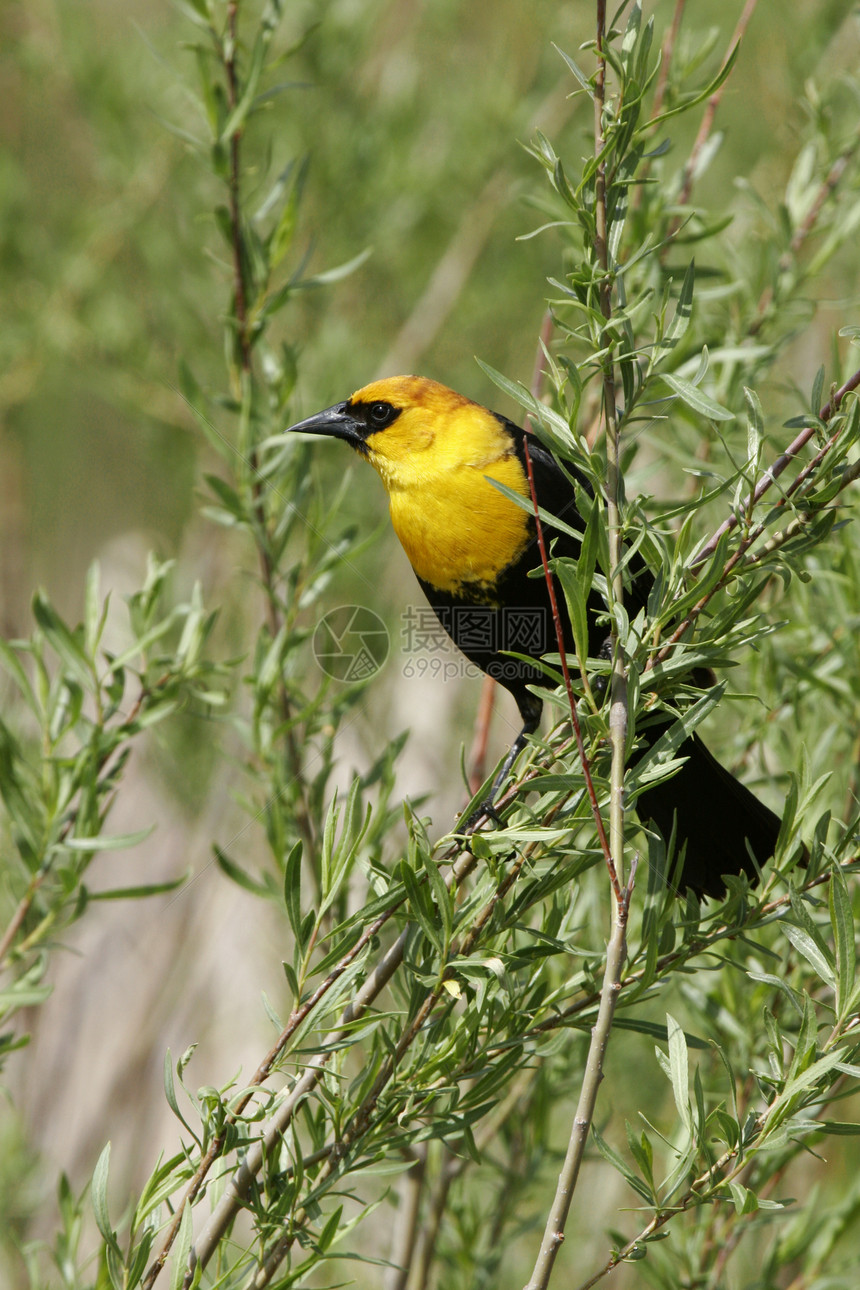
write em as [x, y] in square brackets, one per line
[714, 814]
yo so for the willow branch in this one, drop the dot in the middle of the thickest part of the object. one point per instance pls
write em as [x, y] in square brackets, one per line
[239, 1186]
[825, 191]
[765, 914]
[666, 57]
[407, 1224]
[244, 347]
[104, 771]
[264, 1070]
[616, 952]
[360, 1120]
[618, 703]
[704, 1188]
[774, 472]
[554, 1230]
[571, 698]
[707, 125]
[744, 511]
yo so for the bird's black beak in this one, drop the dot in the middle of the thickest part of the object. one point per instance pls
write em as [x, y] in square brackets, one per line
[337, 422]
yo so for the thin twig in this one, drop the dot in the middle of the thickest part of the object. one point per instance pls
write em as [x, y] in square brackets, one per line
[618, 701]
[701, 1189]
[545, 334]
[706, 126]
[799, 524]
[553, 1236]
[268, 572]
[477, 761]
[666, 57]
[692, 1197]
[616, 952]
[478, 754]
[743, 511]
[104, 771]
[21, 912]
[659, 95]
[805, 228]
[407, 1223]
[571, 699]
[360, 1120]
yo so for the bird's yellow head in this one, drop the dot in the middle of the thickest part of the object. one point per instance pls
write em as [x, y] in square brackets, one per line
[438, 454]
[414, 431]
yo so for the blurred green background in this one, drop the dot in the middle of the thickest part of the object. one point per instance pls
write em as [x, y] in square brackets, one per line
[411, 115]
[111, 270]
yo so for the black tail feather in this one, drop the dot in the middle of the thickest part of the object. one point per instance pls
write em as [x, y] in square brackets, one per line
[716, 816]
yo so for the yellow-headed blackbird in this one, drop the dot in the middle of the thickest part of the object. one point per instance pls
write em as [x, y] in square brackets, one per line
[472, 549]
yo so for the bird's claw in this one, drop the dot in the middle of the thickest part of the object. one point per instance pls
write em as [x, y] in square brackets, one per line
[486, 811]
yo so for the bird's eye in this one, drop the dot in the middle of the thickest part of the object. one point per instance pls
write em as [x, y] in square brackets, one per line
[380, 415]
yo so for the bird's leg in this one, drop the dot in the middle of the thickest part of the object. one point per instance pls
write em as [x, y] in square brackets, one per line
[530, 710]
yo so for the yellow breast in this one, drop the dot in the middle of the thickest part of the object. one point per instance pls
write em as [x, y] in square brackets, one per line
[459, 529]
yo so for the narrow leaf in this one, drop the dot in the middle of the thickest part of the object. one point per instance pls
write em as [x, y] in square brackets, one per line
[679, 1069]
[806, 946]
[696, 399]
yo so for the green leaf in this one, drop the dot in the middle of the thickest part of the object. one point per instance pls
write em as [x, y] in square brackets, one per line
[330, 1230]
[239, 875]
[443, 897]
[170, 1088]
[682, 316]
[679, 1070]
[23, 995]
[806, 946]
[842, 922]
[143, 891]
[569, 577]
[13, 665]
[99, 1198]
[745, 1201]
[23, 807]
[657, 1031]
[620, 1165]
[118, 843]
[94, 618]
[696, 399]
[576, 70]
[686, 102]
[420, 905]
[293, 890]
[755, 426]
[182, 1249]
[236, 119]
[514, 389]
[67, 644]
[191, 393]
[337, 274]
